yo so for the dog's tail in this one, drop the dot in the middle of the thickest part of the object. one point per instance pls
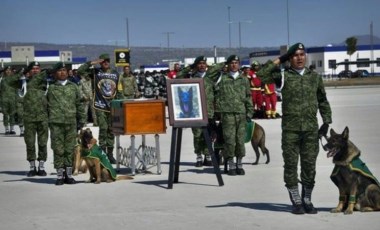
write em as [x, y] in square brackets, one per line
[124, 177]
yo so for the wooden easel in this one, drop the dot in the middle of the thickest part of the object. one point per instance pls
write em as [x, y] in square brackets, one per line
[175, 156]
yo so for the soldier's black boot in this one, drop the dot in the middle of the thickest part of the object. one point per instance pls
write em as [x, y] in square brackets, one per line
[207, 161]
[33, 171]
[41, 169]
[239, 166]
[295, 198]
[199, 162]
[231, 167]
[110, 155]
[306, 201]
[69, 176]
[60, 179]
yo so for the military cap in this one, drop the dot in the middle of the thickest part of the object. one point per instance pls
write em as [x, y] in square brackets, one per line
[33, 63]
[232, 58]
[104, 56]
[255, 63]
[199, 59]
[7, 67]
[298, 46]
[57, 66]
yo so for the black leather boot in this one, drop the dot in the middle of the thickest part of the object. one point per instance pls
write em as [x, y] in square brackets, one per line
[295, 198]
[110, 155]
[306, 200]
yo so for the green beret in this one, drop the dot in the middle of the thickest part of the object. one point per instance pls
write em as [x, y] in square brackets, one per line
[298, 46]
[232, 58]
[104, 56]
[57, 66]
[199, 59]
[33, 63]
[255, 63]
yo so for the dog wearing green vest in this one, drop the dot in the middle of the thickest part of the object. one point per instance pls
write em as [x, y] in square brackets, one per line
[97, 161]
[358, 188]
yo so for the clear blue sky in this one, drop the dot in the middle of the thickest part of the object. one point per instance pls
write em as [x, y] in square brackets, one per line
[191, 23]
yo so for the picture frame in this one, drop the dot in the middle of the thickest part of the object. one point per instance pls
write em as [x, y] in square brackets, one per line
[187, 102]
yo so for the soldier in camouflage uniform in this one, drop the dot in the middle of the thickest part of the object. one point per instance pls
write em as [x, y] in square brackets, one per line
[65, 112]
[199, 69]
[107, 87]
[234, 102]
[303, 94]
[129, 84]
[87, 91]
[34, 86]
[8, 99]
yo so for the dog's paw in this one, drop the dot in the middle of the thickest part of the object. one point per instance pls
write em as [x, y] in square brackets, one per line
[335, 210]
[348, 212]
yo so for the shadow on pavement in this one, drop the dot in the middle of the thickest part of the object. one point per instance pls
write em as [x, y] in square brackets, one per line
[275, 207]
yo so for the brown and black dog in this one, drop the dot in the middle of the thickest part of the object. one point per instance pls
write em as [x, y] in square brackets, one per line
[358, 188]
[79, 164]
[257, 142]
[97, 161]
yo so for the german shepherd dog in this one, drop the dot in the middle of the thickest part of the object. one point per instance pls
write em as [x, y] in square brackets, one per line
[100, 170]
[79, 164]
[358, 188]
[186, 102]
[257, 141]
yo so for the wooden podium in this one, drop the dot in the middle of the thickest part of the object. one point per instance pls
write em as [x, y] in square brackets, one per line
[138, 117]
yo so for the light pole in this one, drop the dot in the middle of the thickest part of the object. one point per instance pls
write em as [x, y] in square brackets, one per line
[168, 39]
[287, 17]
[248, 21]
[229, 26]
[127, 23]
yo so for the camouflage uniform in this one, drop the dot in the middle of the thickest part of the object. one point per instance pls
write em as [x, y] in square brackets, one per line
[86, 88]
[129, 84]
[8, 99]
[233, 101]
[102, 103]
[199, 143]
[35, 116]
[65, 110]
[302, 97]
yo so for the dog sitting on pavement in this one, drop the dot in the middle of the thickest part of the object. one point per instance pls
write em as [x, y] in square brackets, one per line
[79, 164]
[358, 188]
[97, 161]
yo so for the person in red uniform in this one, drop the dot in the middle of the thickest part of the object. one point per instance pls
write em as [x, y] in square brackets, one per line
[173, 73]
[256, 90]
[270, 97]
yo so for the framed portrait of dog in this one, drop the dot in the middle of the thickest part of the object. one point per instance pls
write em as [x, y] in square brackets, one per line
[187, 102]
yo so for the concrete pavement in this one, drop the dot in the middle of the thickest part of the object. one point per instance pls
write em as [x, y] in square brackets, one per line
[256, 200]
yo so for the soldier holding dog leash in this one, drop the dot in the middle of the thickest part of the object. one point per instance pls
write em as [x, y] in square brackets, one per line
[303, 95]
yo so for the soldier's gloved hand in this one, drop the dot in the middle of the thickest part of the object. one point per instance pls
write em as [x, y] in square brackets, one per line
[284, 58]
[248, 119]
[322, 132]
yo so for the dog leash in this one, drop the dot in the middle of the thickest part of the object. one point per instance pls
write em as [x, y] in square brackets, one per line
[320, 139]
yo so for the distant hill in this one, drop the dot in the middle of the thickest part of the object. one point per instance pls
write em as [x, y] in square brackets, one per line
[155, 55]
[139, 55]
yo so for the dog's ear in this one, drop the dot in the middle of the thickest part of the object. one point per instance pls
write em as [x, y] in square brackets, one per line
[345, 133]
[332, 132]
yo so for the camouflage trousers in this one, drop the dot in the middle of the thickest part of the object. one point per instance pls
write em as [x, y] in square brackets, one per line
[234, 128]
[41, 130]
[106, 136]
[303, 146]
[200, 146]
[9, 112]
[63, 141]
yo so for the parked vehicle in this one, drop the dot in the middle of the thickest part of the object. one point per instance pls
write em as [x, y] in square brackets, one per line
[360, 73]
[345, 74]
